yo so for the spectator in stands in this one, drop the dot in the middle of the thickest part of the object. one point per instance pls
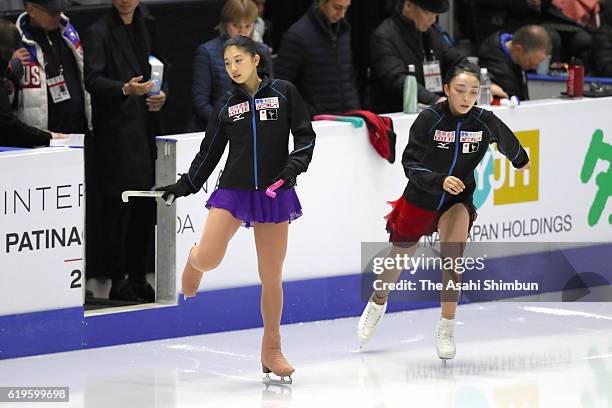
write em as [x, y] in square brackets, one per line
[601, 54]
[210, 81]
[263, 28]
[52, 54]
[508, 56]
[409, 37]
[13, 132]
[51, 94]
[315, 54]
[568, 22]
[125, 123]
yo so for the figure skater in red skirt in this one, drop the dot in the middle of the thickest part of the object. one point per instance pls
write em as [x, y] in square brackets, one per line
[447, 141]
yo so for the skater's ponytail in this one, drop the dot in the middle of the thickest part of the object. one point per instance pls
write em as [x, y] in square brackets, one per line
[250, 46]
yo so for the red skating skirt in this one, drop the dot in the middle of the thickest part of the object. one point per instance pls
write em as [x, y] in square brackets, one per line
[407, 223]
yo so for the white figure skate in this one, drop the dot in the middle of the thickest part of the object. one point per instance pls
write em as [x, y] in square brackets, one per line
[370, 320]
[445, 340]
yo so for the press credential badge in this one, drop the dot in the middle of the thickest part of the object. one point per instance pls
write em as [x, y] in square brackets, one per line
[433, 76]
[58, 89]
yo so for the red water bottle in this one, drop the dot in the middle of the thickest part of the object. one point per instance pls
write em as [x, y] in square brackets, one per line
[575, 79]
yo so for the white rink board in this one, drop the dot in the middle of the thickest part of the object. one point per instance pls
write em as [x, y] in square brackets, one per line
[41, 227]
[345, 190]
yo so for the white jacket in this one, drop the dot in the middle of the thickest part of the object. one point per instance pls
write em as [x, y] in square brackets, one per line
[32, 106]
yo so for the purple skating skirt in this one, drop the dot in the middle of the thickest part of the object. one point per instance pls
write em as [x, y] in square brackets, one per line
[255, 206]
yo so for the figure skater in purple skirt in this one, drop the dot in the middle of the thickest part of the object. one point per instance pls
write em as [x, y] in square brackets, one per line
[255, 117]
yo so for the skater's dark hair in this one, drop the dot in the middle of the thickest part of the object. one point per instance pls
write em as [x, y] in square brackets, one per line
[464, 67]
[250, 46]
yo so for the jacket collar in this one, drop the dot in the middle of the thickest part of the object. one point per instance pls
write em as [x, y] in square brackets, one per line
[503, 39]
[407, 27]
[222, 39]
[120, 35]
[238, 89]
[23, 23]
[66, 29]
[321, 22]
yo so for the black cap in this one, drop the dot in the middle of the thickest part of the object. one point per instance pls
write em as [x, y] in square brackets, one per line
[52, 6]
[435, 6]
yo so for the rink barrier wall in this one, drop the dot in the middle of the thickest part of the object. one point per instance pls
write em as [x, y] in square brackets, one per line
[238, 308]
[42, 288]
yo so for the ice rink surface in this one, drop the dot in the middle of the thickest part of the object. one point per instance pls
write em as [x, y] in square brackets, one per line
[512, 355]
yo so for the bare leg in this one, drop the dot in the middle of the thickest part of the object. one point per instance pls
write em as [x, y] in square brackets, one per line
[453, 226]
[391, 275]
[220, 227]
[375, 309]
[271, 244]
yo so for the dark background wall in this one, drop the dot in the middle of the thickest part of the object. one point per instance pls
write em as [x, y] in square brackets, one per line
[183, 25]
[363, 15]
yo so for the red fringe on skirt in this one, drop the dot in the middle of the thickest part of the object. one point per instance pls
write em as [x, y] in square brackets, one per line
[408, 223]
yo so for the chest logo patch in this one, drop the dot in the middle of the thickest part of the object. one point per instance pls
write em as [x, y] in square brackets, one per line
[266, 103]
[442, 136]
[471, 137]
[470, 147]
[268, 114]
[238, 110]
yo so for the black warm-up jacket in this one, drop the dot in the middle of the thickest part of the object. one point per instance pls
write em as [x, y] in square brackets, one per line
[443, 145]
[257, 129]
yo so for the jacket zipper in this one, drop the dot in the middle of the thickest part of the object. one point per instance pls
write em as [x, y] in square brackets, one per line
[254, 142]
[454, 161]
[253, 112]
[339, 81]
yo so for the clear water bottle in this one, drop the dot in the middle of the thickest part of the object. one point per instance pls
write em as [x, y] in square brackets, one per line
[485, 88]
[410, 91]
[156, 79]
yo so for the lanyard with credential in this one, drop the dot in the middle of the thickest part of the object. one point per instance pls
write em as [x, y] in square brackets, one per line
[432, 73]
[57, 57]
[57, 85]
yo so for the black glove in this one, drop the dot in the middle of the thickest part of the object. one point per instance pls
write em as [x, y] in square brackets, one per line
[181, 188]
[289, 176]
